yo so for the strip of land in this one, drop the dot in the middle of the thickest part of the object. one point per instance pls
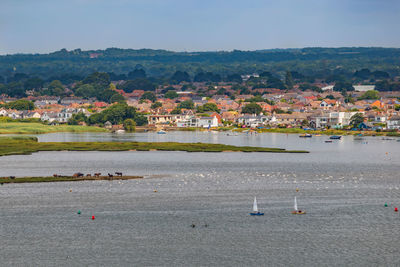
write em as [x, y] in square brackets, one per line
[28, 145]
[8, 180]
[39, 128]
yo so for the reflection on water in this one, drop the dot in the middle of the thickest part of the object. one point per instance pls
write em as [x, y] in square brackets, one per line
[343, 187]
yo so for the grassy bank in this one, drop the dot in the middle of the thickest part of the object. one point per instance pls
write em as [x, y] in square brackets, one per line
[38, 128]
[20, 145]
[8, 180]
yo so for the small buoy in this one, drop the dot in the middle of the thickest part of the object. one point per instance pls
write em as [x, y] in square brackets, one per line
[395, 209]
[297, 190]
[386, 204]
[79, 212]
[93, 217]
[155, 191]
[193, 225]
[70, 190]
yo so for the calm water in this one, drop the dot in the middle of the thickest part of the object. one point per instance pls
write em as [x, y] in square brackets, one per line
[343, 187]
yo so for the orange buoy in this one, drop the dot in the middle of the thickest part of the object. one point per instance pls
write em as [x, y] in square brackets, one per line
[395, 209]
[93, 217]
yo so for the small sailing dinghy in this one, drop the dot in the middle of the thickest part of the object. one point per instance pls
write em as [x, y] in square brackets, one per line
[296, 210]
[255, 209]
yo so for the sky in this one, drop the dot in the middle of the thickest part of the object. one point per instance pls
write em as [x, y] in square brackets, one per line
[42, 26]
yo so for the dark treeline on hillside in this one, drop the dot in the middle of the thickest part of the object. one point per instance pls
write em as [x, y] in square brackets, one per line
[161, 63]
[89, 74]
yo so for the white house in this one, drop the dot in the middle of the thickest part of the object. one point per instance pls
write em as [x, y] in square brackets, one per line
[394, 123]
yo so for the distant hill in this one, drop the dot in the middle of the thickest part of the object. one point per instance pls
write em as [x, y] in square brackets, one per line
[162, 63]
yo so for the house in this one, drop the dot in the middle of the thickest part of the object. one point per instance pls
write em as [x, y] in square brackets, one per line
[49, 116]
[155, 119]
[15, 114]
[46, 100]
[253, 121]
[293, 119]
[393, 123]
[331, 119]
[363, 88]
[207, 122]
[73, 100]
[26, 114]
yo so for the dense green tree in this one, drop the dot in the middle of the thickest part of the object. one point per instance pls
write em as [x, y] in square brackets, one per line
[138, 84]
[356, 119]
[117, 114]
[18, 77]
[98, 79]
[149, 95]
[77, 118]
[208, 107]
[273, 82]
[207, 77]
[363, 74]
[16, 89]
[86, 91]
[117, 98]
[129, 125]
[33, 83]
[252, 108]
[371, 94]
[20, 104]
[156, 105]
[289, 80]
[234, 78]
[171, 94]
[54, 88]
[180, 76]
[187, 104]
[340, 86]
[137, 73]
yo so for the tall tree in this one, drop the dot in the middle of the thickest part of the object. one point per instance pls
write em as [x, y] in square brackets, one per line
[289, 80]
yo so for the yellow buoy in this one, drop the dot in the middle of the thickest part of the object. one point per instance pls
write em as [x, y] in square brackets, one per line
[297, 190]
[155, 191]
[70, 190]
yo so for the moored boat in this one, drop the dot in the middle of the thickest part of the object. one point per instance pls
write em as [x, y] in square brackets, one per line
[255, 209]
[305, 135]
[335, 137]
[161, 132]
[296, 210]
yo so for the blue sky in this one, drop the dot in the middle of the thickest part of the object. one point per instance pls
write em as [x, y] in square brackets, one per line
[41, 26]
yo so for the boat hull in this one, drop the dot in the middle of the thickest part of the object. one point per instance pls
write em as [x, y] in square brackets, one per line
[298, 212]
[256, 214]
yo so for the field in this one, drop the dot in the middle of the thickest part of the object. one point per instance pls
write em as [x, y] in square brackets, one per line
[38, 128]
[28, 145]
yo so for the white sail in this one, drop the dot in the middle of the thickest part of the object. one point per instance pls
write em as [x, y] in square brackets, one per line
[295, 204]
[255, 209]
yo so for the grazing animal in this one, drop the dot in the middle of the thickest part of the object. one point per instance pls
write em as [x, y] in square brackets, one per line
[110, 175]
[118, 173]
[78, 174]
[55, 175]
[97, 174]
[12, 177]
[88, 175]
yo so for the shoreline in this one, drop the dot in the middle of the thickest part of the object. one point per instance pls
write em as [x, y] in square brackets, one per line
[48, 179]
[25, 146]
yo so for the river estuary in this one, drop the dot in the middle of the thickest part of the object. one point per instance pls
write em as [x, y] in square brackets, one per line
[342, 185]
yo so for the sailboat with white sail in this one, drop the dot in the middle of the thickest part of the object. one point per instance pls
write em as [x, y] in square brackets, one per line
[255, 209]
[296, 210]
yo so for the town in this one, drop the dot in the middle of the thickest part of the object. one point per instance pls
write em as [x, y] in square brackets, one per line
[246, 101]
